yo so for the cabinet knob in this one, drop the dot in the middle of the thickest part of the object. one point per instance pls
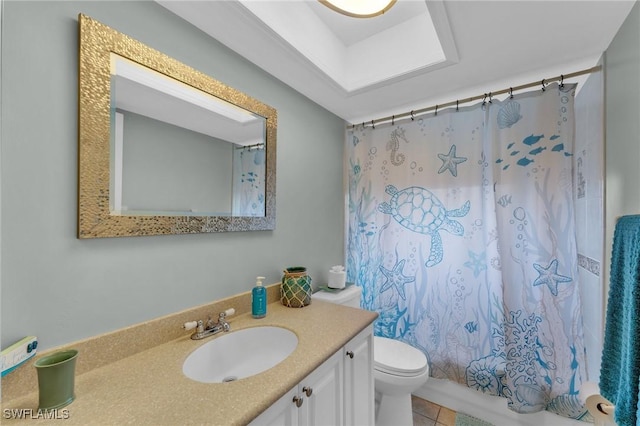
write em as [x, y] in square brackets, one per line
[298, 401]
[307, 391]
[350, 354]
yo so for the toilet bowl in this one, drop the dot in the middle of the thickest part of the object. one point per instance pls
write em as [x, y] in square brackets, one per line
[399, 368]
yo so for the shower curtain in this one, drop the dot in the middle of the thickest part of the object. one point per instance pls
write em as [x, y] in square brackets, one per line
[461, 235]
[249, 169]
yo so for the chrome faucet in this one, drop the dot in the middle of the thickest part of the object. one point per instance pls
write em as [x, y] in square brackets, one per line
[210, 327]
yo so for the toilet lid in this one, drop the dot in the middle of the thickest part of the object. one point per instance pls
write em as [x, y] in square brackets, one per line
[397, 358]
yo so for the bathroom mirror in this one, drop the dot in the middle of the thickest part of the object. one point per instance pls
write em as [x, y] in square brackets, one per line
[166, 149]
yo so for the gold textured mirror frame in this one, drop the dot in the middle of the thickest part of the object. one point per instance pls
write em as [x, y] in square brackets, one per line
[95, 220]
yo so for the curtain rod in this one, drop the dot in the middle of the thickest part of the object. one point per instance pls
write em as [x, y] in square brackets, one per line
[484, 96]
[259, 145]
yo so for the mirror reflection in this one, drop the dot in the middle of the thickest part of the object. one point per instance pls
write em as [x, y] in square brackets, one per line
[180, 151]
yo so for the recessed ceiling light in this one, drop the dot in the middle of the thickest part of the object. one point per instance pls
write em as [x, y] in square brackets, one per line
[359, 8]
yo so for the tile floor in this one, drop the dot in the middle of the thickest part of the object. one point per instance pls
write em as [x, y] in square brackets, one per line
[427, 413]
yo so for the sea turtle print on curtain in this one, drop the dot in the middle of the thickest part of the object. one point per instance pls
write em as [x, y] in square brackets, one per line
[461, 236]
[418, 210]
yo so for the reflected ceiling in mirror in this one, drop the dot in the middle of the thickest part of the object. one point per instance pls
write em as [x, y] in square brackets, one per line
[165, 149]
[180, 151]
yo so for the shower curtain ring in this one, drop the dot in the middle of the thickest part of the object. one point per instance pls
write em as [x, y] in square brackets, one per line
[484, 100]
[393, 119]
[373, 126]
[457, 109]
[510, 92]
[436, 110]
[561, 81]
[490, 98]
[411, 115]
[542, 82]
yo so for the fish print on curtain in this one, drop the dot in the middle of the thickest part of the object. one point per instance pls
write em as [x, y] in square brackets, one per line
[461, 235]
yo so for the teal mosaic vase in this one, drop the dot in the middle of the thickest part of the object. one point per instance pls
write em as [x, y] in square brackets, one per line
[295, 290]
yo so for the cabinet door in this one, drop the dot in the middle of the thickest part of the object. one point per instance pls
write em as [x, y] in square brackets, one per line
[359, 398]
[282, 413]
[322, 394]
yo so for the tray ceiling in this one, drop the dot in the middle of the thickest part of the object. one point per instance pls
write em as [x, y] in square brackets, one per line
[417, 54]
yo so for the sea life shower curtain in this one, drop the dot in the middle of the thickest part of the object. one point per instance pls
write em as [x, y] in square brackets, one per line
[249, 168]
[461, 234]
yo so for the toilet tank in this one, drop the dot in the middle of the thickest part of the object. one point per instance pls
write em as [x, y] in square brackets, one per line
[349, 296]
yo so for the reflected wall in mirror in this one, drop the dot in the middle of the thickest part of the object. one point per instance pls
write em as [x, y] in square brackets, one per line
[165, 149]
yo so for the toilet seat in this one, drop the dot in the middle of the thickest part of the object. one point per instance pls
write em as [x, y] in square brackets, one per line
[398, 358]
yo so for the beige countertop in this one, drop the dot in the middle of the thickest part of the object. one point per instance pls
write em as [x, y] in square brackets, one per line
[149, 387]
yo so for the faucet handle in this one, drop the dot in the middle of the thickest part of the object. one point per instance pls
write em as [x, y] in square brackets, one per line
[222, 318]
[190, 325]
[194, 324]
[223, 315]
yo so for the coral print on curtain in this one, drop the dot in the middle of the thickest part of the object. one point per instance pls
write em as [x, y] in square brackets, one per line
[461, 235]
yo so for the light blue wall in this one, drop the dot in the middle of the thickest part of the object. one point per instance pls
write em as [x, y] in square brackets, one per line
[63, 289]
[622, 112]
[167, 167]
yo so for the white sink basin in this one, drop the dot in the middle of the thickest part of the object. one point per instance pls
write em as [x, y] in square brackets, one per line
[239, 354]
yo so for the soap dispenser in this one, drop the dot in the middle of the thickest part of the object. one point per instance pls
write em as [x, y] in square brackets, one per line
[259, 299]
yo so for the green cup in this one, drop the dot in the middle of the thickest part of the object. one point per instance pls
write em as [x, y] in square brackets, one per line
[56, 379]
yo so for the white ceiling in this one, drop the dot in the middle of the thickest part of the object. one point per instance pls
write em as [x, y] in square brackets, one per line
[419, 53]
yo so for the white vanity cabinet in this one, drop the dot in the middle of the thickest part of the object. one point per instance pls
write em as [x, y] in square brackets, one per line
[359, 394]
[321, 395]
[317, 400]
[338, 392]
[283, 413]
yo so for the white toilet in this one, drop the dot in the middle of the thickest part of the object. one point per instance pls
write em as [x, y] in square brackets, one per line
[400, 369]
